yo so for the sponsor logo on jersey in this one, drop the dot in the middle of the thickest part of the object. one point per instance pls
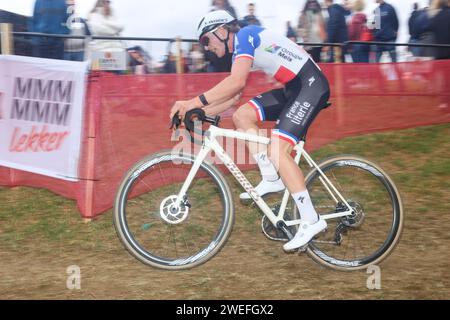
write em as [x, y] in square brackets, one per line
[288, 55]
[283, 53]
[297, 113]
[311, 81]
[273, 48]
[251, 41]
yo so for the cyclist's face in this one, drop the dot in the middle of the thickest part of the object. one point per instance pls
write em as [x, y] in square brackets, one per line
[213, 44]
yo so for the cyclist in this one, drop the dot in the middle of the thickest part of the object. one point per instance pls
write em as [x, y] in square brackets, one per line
[293, 107]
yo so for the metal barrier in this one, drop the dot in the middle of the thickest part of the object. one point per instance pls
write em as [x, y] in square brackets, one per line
[7, 43]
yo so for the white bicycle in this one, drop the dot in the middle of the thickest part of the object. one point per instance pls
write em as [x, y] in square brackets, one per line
[175, 211]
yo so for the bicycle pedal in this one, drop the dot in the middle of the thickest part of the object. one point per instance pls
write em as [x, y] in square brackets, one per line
[302, 249]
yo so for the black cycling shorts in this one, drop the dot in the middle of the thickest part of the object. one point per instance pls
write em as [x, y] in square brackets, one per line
[295, 106]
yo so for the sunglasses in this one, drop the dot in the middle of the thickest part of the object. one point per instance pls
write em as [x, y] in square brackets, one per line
[204, 40]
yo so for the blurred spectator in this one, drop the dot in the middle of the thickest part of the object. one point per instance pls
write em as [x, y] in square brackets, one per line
[223, 5]
[290, 32]
[414, 30]
[358, 31]
[388, 30]
[49, 16]
[196, 59]
[337, 27]
[74, 48]
[422, 29]
[140, 61]
[250, 19]
[170, 64]
[440, 27]
[102, 22]
[311, 27]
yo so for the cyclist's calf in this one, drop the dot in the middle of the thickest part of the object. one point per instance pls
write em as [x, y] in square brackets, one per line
[277, 150]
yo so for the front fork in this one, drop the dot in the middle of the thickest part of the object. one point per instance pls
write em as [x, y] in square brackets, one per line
[187, 183]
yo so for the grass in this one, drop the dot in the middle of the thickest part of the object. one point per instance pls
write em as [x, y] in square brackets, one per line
[41, 234]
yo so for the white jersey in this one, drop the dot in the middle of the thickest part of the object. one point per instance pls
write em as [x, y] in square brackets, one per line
[274, 54]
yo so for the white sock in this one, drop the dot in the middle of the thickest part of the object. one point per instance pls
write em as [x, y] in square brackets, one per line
[305, 206]
[268, 171]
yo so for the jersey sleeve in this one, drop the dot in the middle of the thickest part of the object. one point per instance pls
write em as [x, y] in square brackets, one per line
[246, 43]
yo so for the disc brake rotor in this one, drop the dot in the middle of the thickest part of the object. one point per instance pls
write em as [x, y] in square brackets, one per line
[172, 214]
[357, 219]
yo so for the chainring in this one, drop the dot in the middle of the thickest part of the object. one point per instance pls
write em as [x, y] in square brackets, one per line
[274, 233]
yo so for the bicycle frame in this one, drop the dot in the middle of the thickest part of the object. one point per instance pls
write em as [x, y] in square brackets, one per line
[210, 143]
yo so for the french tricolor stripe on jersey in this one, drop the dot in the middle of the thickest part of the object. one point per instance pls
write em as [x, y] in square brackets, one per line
[285, 136]
[244, 56]
[284, 75]
[259, 110]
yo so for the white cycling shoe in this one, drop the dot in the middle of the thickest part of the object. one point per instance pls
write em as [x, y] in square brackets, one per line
[305, 233]
[264, 188]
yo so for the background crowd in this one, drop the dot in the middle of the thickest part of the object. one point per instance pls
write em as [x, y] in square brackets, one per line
[318, 23]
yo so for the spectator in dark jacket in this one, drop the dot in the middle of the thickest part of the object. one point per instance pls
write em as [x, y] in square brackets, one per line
[49, 16]
[421, 29]
[250, 19]
[440, 27]
[337, 27]
[414, 30]
[388, 31]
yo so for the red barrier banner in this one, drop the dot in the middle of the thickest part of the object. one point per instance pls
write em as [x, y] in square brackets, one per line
[127, 117]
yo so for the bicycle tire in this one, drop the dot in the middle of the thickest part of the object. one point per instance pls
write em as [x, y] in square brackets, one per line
[136, 249]
[394, 235]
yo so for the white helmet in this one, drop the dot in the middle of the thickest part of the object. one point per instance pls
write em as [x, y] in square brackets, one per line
[213, 20]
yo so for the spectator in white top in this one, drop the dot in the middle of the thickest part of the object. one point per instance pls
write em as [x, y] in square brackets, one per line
[102, 22]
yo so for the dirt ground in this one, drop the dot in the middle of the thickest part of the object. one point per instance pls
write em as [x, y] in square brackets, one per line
[41, 235]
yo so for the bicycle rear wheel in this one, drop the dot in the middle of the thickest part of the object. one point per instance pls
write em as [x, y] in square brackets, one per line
[368, 237]
[167, 238]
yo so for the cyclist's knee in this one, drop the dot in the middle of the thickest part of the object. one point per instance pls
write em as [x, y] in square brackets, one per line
[244, 116]
[279, 148]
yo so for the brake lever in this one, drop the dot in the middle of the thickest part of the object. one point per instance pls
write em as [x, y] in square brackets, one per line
[176, 122]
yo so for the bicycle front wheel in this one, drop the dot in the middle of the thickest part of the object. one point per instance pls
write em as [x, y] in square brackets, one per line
[367, 237]
[162, 236]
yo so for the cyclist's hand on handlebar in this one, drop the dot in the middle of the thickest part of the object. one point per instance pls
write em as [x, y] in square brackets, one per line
[181, 107]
